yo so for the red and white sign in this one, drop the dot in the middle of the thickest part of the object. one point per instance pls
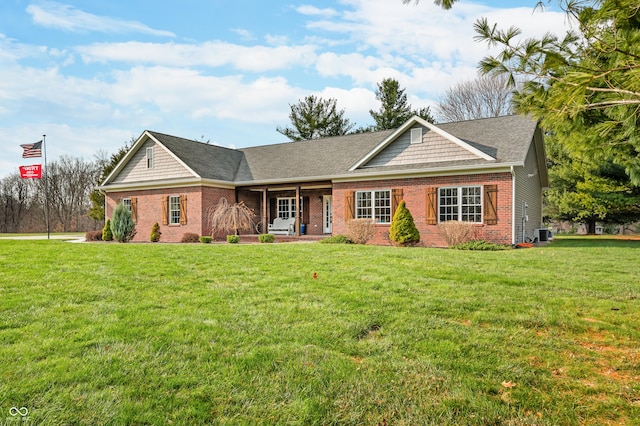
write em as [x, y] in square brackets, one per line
[34, 171]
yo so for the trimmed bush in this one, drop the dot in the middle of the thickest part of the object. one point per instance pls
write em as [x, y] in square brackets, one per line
[107, 235]
[337, 239]
[360, 231]
[93, 236]
[206, 239]
[233, 239]
[480, 245]
[123, 227]
[155, 233]
[266, 238]
[403, 230]
[190, 237]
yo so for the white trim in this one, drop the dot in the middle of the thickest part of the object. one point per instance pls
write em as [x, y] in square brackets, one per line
[407, 125]
[144, 137]
[459, 202]
[327, 214]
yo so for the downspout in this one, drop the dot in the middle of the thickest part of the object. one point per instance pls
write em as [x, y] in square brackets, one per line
[513, 206]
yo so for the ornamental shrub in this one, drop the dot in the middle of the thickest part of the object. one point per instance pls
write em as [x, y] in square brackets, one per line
[403, 230]
[155, 233]
[123, 227]
[190, 237]
[205, 239]
[266, 238]
[107, 235]
[233, 239]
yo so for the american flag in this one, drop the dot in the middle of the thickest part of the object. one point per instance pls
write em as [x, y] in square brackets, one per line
[32, 150]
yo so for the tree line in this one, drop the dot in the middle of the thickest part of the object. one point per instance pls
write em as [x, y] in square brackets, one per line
[314, 117]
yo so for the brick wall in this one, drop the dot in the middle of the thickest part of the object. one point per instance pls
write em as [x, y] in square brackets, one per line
[414, 195]
[150, 205]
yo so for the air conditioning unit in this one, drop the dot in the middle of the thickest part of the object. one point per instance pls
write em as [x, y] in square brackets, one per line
[541, 234]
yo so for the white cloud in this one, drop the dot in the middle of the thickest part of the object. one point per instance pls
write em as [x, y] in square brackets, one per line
[315, 11]
[52, 14]
[210, 54]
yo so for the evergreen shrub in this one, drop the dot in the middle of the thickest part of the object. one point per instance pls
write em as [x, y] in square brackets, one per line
[107, 235]
[233, 239]
[266, 238]
[155, 233]
[403, 230]
[123, 227]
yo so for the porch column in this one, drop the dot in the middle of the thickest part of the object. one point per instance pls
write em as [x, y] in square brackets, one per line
[298, 210]
[265, 210]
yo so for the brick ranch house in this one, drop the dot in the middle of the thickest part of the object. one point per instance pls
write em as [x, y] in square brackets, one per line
[489, 171]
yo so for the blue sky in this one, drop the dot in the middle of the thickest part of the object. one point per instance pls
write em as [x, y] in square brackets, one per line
[92, 75]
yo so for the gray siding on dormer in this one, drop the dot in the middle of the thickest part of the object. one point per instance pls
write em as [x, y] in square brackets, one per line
[165, 166]
[433, 149]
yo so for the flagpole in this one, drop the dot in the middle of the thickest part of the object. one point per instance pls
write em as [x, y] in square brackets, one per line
[46, 187]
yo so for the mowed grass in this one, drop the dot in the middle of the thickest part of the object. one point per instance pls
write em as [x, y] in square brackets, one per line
[244, 334]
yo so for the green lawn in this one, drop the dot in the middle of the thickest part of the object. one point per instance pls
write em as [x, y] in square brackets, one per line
[243, 334]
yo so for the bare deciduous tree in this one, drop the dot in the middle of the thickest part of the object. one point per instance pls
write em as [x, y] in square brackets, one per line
[486, 96]
[225, 217]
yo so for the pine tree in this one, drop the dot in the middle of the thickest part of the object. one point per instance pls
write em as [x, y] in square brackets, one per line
[395, 108]
[403, 229]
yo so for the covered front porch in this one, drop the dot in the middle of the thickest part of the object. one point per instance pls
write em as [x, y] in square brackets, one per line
[309, 203]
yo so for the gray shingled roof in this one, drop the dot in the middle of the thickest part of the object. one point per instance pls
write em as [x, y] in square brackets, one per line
[505, 138]
[208, 161]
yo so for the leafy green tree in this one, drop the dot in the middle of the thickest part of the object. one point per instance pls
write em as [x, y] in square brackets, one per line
[583, 192]
[315, 118]
[123, 227]
[403, 229]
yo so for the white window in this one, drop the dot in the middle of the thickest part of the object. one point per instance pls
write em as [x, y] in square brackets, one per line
[416, 135]
[127, 203]
[174, 210]
[460, 204]
[287, 208]
[150, 158]
[374, 205]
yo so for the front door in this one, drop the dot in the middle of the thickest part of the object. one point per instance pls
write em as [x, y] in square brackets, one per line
[327, 218]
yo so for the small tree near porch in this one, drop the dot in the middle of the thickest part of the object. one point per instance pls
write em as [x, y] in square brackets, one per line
[230, 218]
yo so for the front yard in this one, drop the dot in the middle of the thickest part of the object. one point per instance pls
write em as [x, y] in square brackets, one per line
[244, 334]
